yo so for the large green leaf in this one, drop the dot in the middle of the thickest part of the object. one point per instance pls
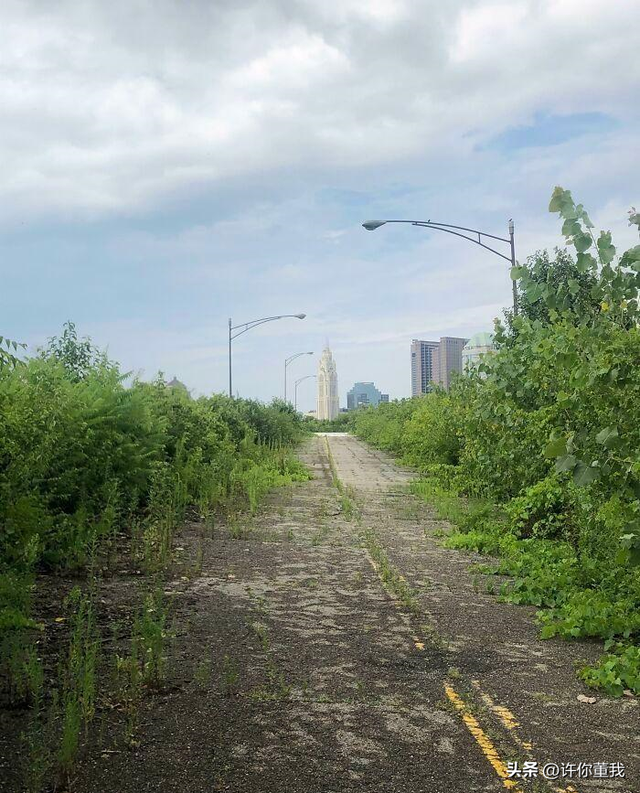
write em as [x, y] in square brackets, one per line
[630, 256]
[582, 242]
[584, 474]
[608, 437]
[566, 463]
[562, 202]
[606, 249]
[556, 448]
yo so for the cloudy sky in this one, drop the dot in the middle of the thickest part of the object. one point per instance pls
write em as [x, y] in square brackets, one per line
[165, 165]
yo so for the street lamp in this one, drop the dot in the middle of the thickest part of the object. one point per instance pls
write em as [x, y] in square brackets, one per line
[286, 363]
[295, 389]
[243, 327]
[372, 225]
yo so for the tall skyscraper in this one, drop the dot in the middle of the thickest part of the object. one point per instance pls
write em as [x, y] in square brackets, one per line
[328, 402]
[450, 359]
[435, 362]
[424, 365]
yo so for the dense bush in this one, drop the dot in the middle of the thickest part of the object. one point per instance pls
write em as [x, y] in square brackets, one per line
[547, 429]
[78, 453]
[341, 423]
[85, 459]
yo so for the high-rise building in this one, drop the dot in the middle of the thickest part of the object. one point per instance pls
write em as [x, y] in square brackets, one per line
[364, 394]
[328, 401]
[450, 359]
[424, 365]
[435, 362]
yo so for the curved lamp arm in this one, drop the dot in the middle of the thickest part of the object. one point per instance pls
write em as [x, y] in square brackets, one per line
[306, 377]
[286, 363]
[291, 358]
[255, 322]
[372, 225]
[243, 327]
[295, 388]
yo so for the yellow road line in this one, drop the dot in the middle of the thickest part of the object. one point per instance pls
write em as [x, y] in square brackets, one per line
[505, 715]
[482, 739]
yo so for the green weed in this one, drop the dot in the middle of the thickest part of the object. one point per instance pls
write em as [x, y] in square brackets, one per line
[230, 676]
[391, 578]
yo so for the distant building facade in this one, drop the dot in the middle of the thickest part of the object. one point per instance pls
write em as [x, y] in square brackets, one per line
[363, 394]
[479, 345]
[435, 362]
[328, 402]
[424, 365]
[450, 359]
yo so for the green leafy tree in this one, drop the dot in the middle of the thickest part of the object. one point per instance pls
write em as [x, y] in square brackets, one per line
[555, 284]
[77, 356]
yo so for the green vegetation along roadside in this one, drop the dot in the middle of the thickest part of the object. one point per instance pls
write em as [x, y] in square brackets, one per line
[342, 423]
[95, 478]
[535, 455]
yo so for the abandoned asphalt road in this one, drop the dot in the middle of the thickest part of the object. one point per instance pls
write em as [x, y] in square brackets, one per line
[331, 644]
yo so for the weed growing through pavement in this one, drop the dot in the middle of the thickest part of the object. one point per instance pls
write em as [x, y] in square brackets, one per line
[150, 636]
[393, 582]
[239, 528]
[129, 682]
[261, 632]
[320, 535]
[348, 502]
[230, 676]
[78, 679]
[202, 675]
[275, 687]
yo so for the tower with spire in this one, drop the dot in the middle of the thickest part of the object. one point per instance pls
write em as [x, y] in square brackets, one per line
[328, 403]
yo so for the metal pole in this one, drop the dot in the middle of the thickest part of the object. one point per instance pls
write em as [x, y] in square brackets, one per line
[230, 384]
[513, 264]
[285, 380]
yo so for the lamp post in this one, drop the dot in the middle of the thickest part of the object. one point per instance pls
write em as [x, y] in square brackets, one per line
[243, 327]
[286, 363]
[372, 225]
[295, 389]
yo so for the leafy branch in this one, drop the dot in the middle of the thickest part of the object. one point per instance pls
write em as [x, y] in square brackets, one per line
[8, 350]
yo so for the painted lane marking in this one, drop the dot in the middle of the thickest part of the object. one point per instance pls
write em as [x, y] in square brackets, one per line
[505, 715]
[482, 739]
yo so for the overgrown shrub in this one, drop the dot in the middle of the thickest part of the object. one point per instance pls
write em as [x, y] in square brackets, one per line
[84, 456]
[547, 429]
[544, 510]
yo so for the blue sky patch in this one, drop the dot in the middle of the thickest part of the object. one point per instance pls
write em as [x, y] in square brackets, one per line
[549, 130]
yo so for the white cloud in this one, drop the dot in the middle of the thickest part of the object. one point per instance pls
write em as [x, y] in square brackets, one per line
[105, 108]
[165, 164]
